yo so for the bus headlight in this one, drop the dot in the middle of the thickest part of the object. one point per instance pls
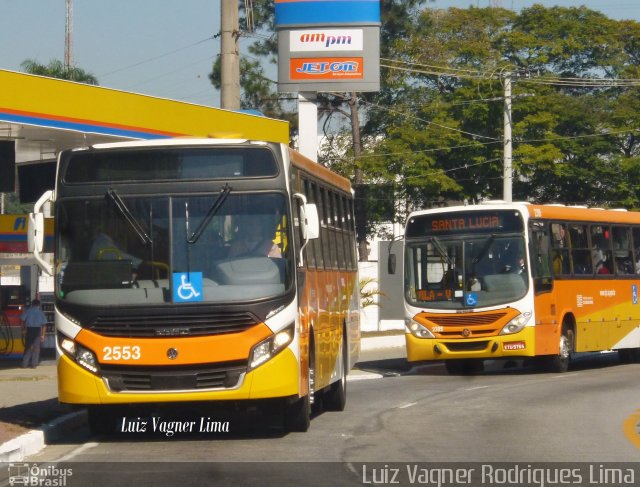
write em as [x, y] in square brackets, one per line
[516, 324]
[82, 356]
[267, 349]
[418, 330]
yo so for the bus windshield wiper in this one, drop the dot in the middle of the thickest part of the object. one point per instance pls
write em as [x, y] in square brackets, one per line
[443, 253]
[484, 249]
[224, 192]
[128, 216]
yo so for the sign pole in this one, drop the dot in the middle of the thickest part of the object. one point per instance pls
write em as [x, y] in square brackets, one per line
[308, 125]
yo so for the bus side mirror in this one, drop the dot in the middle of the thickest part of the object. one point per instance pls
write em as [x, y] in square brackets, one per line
[35, 233]
[391, 264]
[312, 222]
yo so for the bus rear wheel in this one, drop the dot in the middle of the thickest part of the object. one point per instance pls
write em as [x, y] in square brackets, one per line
[335, 398]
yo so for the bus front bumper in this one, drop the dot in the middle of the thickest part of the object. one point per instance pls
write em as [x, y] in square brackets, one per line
[279, 377]
[521, 344]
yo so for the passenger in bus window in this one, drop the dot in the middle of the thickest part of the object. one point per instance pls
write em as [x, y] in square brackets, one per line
[601, 268]
[254, 238]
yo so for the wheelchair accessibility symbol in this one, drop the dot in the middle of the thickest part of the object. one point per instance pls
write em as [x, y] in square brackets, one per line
[471, 299]
[187, 287]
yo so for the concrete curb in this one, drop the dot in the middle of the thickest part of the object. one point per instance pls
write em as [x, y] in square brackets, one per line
[30, 443]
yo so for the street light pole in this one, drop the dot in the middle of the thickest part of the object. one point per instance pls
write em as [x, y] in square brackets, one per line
[229, 58]
[68, 35]
[508, 160]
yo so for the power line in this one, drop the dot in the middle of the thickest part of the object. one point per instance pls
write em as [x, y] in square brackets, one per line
[522, 75]
[428, 122]
[160, 56]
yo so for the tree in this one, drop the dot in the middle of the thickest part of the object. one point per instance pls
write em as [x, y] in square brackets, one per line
[574, 139]
[56, 69]
[12, 205]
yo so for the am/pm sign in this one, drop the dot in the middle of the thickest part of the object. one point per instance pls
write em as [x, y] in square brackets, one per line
[328, 45]
[329, 60]
[326, 40]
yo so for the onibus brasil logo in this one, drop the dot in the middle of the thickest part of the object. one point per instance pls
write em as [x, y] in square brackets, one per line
[38, 475]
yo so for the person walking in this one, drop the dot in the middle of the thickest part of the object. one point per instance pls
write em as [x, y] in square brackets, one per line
[33, 329]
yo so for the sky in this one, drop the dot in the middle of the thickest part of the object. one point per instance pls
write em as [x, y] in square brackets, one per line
[162, 48]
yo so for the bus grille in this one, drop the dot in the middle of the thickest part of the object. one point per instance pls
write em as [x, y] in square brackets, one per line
[173, 325]
[141, 379]
[474, 319]
[464, 346]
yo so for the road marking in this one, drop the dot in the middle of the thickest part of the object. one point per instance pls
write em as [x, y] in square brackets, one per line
[631, 428]
[562, 376]
[77, 451]
[476, 388]
[408, 405]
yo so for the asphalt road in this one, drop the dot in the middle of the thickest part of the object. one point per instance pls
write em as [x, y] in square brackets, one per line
[404, 415]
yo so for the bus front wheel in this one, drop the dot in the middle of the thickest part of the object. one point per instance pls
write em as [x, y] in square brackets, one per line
[560, 363]
[297, 415]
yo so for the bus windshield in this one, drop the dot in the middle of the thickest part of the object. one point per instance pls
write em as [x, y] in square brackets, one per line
[139, 250]
[464, 272]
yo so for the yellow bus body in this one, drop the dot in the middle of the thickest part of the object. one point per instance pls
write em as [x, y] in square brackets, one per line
[602, 310]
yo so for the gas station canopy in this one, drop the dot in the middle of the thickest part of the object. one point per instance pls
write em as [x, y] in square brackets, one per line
[45, 115]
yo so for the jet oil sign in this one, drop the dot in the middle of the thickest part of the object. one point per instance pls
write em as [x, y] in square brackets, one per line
[328, 40]
[326, 68]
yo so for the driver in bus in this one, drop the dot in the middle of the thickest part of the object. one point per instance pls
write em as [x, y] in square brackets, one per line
[255, 238]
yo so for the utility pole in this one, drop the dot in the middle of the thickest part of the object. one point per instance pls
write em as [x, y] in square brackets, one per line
[68, 36]
[229, 58]
[508, 169]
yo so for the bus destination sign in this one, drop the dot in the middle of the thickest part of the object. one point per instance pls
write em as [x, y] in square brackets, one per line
[471, 222]
[463, 222]
[433, 295]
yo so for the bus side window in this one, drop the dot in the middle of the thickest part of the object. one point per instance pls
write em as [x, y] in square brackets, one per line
[560, 250]
[540, 257]
[601, 249]
[580, 252]
[635, 232]
[622, 250]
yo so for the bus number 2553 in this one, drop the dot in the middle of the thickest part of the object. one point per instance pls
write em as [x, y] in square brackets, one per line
[126, 352]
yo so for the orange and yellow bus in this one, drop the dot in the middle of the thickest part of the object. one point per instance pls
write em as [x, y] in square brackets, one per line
[517, 280]
[194, 270]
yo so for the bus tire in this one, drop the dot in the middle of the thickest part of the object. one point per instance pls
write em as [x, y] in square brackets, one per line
[560, 363]
[335, 398]
[297, 415]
